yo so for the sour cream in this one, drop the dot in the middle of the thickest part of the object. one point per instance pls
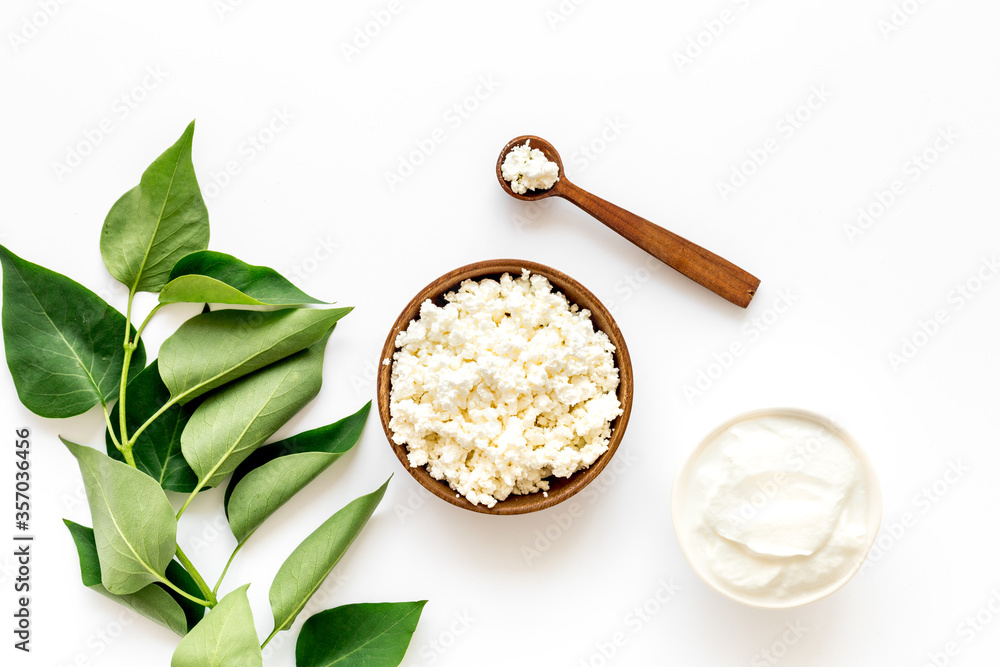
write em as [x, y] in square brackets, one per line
[777, 509]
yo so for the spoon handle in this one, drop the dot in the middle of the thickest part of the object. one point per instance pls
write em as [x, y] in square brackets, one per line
[702, 266]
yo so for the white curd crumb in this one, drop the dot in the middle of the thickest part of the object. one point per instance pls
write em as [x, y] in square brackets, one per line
[527, 168]
[504, 386]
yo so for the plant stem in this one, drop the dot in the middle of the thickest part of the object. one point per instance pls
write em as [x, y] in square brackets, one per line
[215, 591]
[269, 638]
[142, 326]
[198, 579]
[129, 347]
[166, 406]
[111, 430]
[201, 484]
[189, 499]
[169, 584]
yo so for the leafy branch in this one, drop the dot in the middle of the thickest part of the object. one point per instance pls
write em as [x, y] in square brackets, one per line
[200, 414]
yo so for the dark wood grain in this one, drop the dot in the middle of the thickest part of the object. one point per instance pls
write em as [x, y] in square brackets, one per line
[560, 488]
[700, 265]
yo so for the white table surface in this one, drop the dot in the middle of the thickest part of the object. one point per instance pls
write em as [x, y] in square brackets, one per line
[900, 91]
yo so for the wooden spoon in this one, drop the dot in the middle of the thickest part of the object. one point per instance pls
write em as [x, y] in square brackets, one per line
[702, 266]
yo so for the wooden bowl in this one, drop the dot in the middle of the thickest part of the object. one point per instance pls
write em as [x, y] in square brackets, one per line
[560, 488]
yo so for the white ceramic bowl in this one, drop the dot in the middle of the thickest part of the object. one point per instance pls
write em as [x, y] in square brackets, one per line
[689, 496]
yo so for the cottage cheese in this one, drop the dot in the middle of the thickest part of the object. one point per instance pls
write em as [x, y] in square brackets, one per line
[504, 386]
[527, 168]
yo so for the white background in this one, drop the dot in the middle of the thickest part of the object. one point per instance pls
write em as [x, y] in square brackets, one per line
[661, 135]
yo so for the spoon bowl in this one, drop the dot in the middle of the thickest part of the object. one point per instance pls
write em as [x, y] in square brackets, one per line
[551, 154]
[700, 265]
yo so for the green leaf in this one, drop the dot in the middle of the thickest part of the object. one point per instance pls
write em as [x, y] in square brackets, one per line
[358, 635]
[273, 474]
[304, 571]
[63, 342]
[234, 421]
[157, 450]
[214, 348]
[154, 601]
[226, 638]
[157, 222]
[86, 547]
[216, 277]
[134, 525]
